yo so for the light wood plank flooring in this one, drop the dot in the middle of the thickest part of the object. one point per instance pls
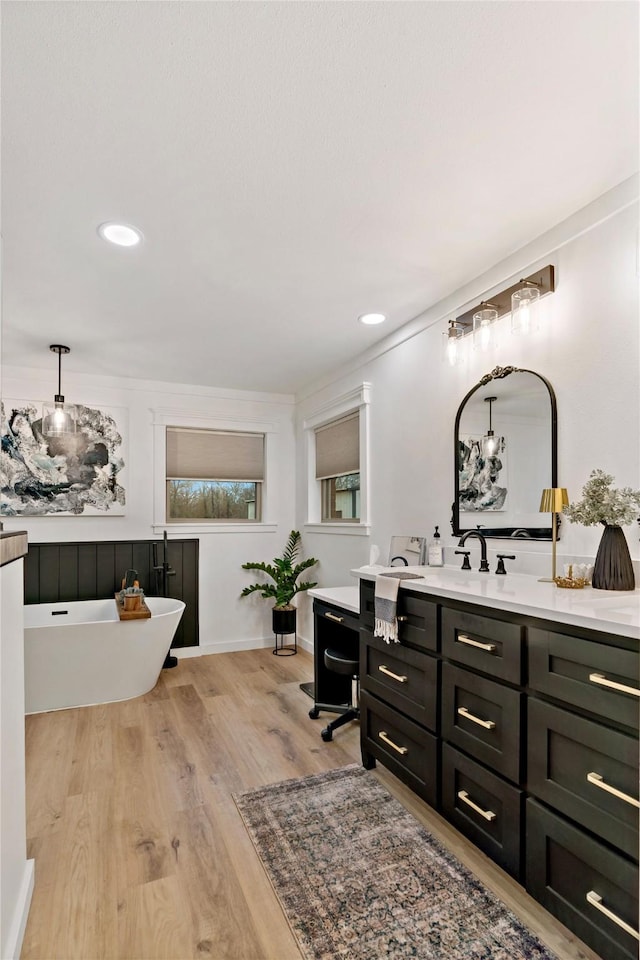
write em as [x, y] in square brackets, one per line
[140, 852]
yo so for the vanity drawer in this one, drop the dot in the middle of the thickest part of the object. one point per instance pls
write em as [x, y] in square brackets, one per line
[483, 807]
[405, 678]
[564, 866]
[483, 643]
[483, 718]
[406, 749]
[567, 756]
[597, 677]
[419, 623]
[336, 615]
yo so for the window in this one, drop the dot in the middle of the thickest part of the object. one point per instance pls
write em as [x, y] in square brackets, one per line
[338, 468]
[213, 475]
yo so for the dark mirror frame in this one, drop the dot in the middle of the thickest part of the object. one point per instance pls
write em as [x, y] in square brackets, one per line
[525, 533]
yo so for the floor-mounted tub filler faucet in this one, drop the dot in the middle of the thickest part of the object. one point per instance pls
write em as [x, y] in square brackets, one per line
[484, 563]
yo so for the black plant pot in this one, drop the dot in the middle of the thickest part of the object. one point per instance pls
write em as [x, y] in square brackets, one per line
[613, 569]
[283, 622]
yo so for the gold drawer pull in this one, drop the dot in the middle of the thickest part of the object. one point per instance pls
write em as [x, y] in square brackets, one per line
[385, 739]
[463, 638]
[602, 681]
[394, 676]
[597, 780]
[487, 814]
[487, 724]
[596, 901]
[332, 616]
[402, 619]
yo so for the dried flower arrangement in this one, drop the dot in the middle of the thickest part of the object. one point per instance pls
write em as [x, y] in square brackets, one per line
[601, 504]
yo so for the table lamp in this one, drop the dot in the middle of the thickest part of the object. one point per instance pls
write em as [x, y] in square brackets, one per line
[553, 500]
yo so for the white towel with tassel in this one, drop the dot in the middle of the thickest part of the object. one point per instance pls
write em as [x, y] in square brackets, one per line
[386, 609]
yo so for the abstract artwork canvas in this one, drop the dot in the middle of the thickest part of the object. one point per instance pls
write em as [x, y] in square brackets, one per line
[482, 482]
[81, 474]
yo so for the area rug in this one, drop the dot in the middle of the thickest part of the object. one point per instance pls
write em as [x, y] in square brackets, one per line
[359, 878]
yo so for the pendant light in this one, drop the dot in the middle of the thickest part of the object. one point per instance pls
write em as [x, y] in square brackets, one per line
[59, 419]
[490, 443]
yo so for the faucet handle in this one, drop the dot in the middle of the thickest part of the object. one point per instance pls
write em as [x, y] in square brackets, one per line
[465, 563]
[501, 559]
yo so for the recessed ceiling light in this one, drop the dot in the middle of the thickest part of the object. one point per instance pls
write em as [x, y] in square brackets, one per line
[371, 318]
[120, 233]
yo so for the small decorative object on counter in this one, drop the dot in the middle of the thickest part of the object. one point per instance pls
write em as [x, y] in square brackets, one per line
[612, 569]
[571, 580]
[436, 552]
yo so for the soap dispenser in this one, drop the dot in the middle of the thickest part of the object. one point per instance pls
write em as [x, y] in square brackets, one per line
[436, 552]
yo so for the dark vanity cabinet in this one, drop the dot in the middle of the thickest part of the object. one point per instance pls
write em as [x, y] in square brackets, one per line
[524, 735]
[334, 628]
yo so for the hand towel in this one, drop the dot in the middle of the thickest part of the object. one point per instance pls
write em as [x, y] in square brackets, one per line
[386, 606]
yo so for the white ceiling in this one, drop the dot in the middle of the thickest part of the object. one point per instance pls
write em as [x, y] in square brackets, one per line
[291, 165]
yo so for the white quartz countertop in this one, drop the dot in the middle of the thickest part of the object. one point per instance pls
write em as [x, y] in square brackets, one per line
[346, 597]
[611, 611]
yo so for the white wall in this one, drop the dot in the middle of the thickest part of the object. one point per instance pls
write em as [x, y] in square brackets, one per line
[587, 347]
[226, 622]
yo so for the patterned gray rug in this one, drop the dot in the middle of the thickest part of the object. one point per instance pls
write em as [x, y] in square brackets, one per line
[359, 878]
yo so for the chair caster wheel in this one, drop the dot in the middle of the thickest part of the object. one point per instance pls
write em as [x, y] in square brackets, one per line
[327, 735]
[314, 713]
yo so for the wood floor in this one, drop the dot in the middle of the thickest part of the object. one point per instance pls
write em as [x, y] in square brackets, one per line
[140, 853]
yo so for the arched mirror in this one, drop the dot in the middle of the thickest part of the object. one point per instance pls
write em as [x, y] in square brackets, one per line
[505, 455]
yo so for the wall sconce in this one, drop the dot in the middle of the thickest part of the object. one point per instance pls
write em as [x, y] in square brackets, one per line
[524, 314]
[59, 418]
[453, 344]
[483, 338]
[520, 299]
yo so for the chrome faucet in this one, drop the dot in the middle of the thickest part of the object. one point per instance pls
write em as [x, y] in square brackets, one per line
[484, 563]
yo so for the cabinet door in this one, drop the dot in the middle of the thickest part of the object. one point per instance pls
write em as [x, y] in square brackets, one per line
[585, 770]
[483, 643]
[590, 888]
[484, 807]
[407, 749]
[589, 674]
[405, 678]
[483, 719]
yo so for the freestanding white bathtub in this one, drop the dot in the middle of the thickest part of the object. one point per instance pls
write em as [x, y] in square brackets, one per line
[79, 654]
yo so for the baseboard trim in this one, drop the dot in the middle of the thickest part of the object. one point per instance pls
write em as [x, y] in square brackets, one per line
[13, 946]
[233, 646]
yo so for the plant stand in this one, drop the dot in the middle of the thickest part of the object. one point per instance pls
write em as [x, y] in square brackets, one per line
[285, 650]
[283, 624]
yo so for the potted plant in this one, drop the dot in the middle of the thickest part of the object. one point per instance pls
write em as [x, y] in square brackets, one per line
[612, 569]
[284, 571]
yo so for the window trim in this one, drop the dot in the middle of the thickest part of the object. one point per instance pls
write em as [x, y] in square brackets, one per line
[163, 418]
[357, 400]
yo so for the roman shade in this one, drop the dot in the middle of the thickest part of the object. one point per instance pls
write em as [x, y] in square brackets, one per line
[338, 447]
[214, 455]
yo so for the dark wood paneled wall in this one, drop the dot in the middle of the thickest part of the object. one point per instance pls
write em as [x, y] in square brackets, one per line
[94, 571]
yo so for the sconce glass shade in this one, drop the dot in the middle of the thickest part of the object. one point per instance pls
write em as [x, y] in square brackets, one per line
[59, 418]
[483, 338]
[524, 310]
[452, 344]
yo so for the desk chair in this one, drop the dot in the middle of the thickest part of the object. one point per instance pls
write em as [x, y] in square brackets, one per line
[341, 663]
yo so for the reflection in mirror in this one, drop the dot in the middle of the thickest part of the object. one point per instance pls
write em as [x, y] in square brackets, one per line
[407, 551]
[505, 455]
